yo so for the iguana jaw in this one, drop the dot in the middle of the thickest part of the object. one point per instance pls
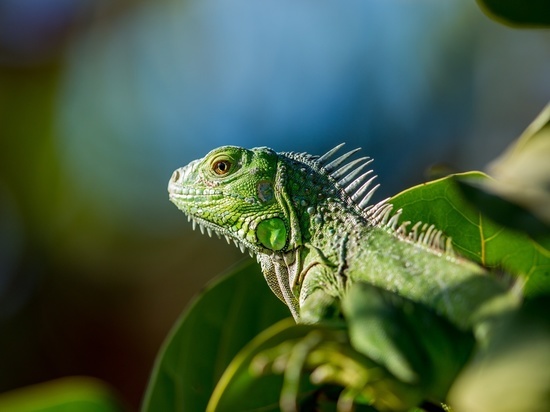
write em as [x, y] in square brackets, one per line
[205, 225]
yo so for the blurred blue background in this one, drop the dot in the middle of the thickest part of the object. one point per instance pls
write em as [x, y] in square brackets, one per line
[101, 101]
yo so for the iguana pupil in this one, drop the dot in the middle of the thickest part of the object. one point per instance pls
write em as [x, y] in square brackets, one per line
[221, 167]
[272, 233]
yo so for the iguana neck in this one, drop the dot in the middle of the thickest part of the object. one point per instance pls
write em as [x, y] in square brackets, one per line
[317, 205]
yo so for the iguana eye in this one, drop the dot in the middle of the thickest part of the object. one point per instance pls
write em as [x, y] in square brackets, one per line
[221, 167]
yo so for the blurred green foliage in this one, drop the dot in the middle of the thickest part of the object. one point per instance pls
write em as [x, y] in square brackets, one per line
[532, 13]
[204, 341]
[72, 394]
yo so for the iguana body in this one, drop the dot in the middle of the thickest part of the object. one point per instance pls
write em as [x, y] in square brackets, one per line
[410, 304]
[309, 222]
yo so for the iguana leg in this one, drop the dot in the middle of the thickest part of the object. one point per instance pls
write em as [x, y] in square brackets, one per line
[319, 295]
[319, 306]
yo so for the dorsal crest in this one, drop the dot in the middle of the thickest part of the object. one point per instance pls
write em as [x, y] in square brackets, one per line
[355, 182]
[352, 178]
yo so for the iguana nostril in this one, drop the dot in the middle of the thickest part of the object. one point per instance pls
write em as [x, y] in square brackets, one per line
[176, 176]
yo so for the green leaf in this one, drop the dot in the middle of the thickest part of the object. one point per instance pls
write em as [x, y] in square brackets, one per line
[518, 12]
[226, 316]
[474, 235]
[522, 173]
[504, 212]
[81, 394]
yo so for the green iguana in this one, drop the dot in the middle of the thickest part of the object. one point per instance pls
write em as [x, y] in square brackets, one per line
[308, 221]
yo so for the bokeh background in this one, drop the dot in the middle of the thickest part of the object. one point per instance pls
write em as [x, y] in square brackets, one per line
[101, 100]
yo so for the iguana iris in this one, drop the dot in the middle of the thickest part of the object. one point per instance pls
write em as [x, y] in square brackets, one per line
[309, 221]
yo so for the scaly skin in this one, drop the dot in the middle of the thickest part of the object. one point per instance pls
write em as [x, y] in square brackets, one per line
[308, 221]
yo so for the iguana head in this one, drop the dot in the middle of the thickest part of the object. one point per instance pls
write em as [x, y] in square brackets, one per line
[275, 204]
[232, 191]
